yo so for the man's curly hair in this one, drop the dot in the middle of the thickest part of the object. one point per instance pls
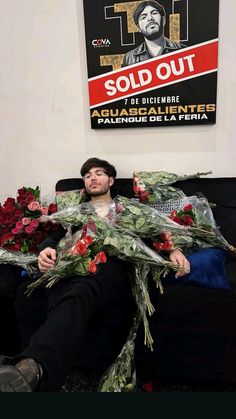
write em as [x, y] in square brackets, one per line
[109, 169]
[141, 6]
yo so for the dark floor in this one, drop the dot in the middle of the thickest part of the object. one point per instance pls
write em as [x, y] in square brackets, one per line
[83, 380]
[87, 381]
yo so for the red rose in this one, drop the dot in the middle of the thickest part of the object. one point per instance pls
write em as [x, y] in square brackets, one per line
[80, 248]
[16, 247]
[168, 245]
[158, 246]
[22, 201]
[8, 209]
[29, 197]
[136, 189]
[178, 220]
[143, 196]
[9, 219]
[19, 213]
[16, 230]
[92, 267]
[25, 221]
[9, 202]
[19, 225]
[52, 208]
[34, 223]
[187, 220]
[87, 239]
[188, 207]
[148, 387]
[165, 236]
[21, 191]
[44, 210]
[29, 229]
[101, 257]
[6, 237]
[34, 206]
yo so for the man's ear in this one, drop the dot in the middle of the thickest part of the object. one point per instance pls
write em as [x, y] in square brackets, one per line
[111, 181]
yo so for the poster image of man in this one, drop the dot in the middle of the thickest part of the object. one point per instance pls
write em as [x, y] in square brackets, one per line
[150, 19]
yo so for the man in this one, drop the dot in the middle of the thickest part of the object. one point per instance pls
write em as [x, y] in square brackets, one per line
[52, 350]
[150, 18]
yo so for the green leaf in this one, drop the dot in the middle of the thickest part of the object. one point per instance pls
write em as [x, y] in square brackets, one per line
[111, 241]
[134, 210]
[139, 222]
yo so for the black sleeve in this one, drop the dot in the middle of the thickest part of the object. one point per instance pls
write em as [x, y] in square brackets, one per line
[53, 239]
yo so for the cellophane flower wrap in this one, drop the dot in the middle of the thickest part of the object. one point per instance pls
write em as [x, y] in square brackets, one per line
[21, 230]
[151, 187]
[105, 235]
[65, 199]
[195, 216]
[27, 261]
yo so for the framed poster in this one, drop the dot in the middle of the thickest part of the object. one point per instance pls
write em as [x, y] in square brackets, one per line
[151, 63]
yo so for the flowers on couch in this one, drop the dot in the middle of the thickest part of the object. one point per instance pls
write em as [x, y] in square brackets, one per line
[20, 226]
[183, 216]
[153, 187]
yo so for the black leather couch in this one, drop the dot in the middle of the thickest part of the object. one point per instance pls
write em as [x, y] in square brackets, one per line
[193, 326]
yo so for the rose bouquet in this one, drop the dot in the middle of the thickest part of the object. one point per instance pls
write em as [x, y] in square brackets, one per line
[20, 226]
[147, 222]
[196, 218]
[80, 252]
[121, 375]
[151, 187]
[21, 230]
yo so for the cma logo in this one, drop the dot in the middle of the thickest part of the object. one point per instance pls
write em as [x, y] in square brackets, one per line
[102, 42]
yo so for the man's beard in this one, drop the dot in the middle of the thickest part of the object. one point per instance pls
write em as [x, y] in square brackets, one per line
[101, 192]
[155, 34]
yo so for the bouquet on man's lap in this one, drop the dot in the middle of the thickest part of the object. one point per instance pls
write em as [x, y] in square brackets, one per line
[83, 252]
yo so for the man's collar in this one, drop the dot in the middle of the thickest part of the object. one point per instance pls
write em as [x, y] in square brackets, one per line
[168, 46]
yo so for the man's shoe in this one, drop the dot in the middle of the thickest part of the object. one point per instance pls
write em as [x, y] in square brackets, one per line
[12, 380]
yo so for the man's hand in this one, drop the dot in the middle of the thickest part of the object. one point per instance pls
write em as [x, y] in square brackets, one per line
[46, 259]
[177, 257]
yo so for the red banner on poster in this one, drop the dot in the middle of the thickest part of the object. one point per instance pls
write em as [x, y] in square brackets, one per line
[162, 71]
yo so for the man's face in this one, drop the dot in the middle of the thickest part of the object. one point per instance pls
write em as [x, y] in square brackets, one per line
[151, 23]
[97, 182]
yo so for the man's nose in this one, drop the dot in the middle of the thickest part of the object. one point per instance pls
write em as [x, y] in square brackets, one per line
[150, 17]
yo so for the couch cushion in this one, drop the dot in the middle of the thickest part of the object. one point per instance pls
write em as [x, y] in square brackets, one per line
[207, 270]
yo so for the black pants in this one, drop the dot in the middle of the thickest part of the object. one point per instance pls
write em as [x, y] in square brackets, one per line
[71, 303]
[10, 279]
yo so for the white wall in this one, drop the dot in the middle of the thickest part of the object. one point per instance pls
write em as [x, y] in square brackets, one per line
[45, 130]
